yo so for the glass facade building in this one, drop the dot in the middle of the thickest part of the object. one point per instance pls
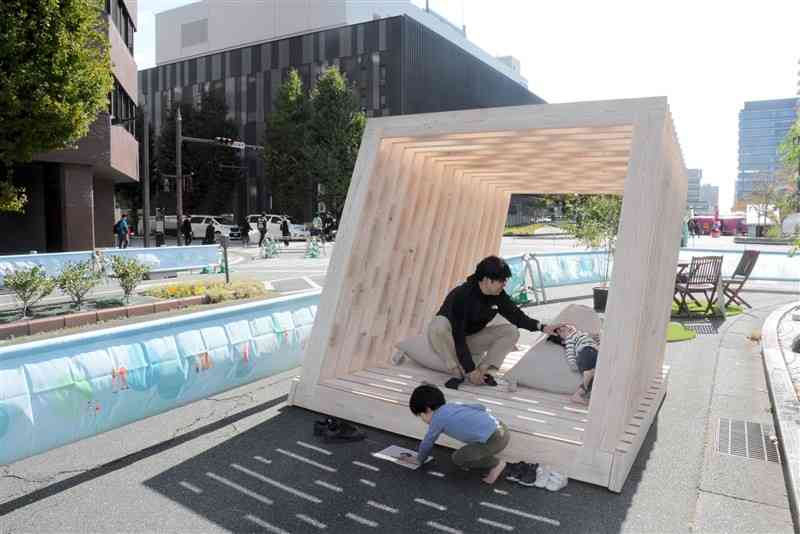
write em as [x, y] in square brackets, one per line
[398, 66]
[763, 125]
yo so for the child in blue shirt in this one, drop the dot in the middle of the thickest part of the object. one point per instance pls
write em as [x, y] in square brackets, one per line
[483, 434]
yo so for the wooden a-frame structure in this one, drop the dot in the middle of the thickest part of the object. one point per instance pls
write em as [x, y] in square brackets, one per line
[428, 200]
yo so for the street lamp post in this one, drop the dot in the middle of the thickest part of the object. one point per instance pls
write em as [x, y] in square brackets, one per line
[146, 179]
[178, 176]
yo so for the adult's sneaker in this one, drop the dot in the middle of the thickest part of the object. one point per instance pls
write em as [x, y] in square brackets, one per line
[335, 430]
[556, 481]
[514, 470]
[528, 476]
[542, 474]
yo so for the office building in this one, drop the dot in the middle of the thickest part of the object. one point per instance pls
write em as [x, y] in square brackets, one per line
[71, 192]
[763, 125]
[693, 190]
[709, 195]
[402, 60]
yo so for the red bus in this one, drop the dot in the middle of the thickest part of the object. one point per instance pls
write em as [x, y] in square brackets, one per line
[730, 225]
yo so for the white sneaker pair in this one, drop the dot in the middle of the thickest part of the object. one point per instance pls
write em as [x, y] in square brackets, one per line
[550, 480]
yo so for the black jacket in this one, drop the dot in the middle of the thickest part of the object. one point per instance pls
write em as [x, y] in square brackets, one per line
[469, 310]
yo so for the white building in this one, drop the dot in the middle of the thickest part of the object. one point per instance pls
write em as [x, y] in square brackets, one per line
[210, 26]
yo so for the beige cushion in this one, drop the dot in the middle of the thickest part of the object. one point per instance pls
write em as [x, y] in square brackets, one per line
[419, 350]
[544, 366]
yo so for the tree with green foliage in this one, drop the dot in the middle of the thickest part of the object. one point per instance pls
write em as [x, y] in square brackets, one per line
[215, 175]
[129, 273]
[596, 222]
[335, 129]
[77, 279]
[790, 150]
[56, 77]
[285, 148]
[29, 286]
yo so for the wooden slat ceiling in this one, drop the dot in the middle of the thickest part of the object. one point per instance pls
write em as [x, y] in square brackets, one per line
[589, 160]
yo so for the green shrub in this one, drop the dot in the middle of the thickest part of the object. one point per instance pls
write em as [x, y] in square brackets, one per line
[129, 274]
[30, 286]
[77, 279]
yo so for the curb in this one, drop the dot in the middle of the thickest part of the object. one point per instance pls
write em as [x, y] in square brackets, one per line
[29, 327]
[785, 406]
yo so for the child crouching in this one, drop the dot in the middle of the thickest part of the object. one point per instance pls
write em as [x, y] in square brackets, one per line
[483, 434]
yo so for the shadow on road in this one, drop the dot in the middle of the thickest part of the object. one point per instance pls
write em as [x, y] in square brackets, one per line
[278, 477]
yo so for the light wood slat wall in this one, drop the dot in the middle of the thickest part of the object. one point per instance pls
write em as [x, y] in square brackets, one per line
[428, 200]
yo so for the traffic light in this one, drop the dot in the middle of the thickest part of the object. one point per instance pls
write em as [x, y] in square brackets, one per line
[224, 141]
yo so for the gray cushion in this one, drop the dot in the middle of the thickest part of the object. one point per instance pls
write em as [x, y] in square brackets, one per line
[544, 366]
[419, 350]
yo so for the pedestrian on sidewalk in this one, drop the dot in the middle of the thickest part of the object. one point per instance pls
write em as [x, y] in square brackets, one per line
[122, 230]
[262, 229]
[186, 230]
[244, 229]
[285, 230]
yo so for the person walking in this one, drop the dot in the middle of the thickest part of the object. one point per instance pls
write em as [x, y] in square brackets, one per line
[186, 230]
[285, 230]
[123, 231]
[244, 229]
[262, 228]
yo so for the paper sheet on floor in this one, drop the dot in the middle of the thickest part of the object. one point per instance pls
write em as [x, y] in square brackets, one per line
[401, 456]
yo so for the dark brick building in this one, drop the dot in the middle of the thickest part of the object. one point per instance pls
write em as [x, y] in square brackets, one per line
[398, 65]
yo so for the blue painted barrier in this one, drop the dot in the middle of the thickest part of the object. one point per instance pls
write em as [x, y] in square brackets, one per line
[57, 391]
[569, 268]
[158, 259]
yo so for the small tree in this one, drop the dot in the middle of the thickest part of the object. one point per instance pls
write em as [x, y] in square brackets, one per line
[129, 274]
[56, 72]
[29, 286]
[596, 223]
[335, 128]
[77, 279]
[284, 148]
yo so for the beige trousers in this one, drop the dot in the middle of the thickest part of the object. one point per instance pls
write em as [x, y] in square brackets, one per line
[489, 347]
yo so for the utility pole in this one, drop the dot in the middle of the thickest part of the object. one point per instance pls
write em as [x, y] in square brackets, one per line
[146, 178]
[178, 176]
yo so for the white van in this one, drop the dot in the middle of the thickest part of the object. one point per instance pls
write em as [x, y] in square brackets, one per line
[223, 225]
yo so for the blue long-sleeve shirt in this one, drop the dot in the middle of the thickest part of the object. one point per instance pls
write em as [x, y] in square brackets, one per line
[468, 423]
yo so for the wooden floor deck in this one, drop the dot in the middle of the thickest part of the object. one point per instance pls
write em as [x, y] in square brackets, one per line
[546, 427]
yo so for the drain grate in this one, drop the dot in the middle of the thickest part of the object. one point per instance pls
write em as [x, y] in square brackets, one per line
[747, 439]
[702, 328]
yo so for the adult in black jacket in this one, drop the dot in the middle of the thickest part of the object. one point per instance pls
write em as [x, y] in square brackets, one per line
[459, 333]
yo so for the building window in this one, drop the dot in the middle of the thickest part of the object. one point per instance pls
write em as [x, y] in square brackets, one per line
[119, 15]
[122, 107]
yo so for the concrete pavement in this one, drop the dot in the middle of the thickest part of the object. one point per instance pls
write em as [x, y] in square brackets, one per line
[245, 462]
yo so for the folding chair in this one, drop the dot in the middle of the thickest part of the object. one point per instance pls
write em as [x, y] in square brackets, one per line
[703, 277]
[733, 285]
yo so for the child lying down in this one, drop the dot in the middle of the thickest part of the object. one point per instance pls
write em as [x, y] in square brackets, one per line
[581, 353]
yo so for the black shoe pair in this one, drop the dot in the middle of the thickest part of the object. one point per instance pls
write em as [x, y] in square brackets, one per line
[335, 430]
[522, 473]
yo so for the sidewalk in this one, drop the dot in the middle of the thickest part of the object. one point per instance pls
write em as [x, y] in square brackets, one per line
[215, 466]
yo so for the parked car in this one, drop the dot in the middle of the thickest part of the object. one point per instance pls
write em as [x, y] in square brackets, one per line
[296, 231]
[223, 225]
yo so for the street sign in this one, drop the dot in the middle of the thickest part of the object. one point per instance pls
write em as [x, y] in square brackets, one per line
[239, 145]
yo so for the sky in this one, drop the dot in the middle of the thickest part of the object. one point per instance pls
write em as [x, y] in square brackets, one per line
[707, 57]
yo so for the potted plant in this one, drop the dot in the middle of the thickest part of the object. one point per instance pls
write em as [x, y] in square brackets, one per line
[596, 224]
